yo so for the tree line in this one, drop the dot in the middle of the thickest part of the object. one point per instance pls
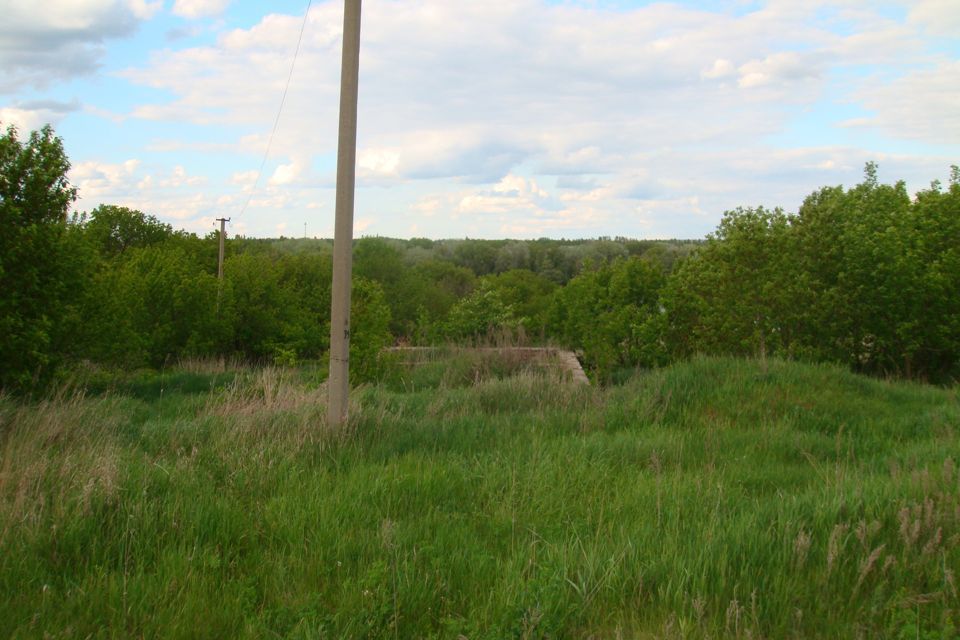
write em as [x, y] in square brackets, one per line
[866, 276]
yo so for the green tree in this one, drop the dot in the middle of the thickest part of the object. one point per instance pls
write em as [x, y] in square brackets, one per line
[173, 306]
[511, 256]
[480, 315]
[612, 315]
[733, 295]
[935, 219]
[528, 294]
[114, 229]
[35, 255]
[262, 307]
[427, 292]
[861, 285]
[378, 259]
[308, 276]
[369, 330]
[480, 256]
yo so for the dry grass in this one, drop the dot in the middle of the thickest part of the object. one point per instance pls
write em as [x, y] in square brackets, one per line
[270, 390]
[55, 456]
[209, 366]
[270, 409]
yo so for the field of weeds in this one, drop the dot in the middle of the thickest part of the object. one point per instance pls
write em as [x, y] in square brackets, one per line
[713, 499]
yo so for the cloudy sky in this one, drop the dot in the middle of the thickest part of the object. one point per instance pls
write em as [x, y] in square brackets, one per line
[486, 118]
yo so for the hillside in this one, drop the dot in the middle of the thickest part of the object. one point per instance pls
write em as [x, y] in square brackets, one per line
[713, 498]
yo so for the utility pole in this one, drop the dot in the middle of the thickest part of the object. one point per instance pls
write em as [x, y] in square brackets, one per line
[223, 223]
[338, 383]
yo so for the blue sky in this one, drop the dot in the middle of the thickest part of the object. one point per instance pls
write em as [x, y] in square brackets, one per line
[503, 118]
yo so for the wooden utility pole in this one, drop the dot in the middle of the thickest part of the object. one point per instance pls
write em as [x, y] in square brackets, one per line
[338, 382]
[223, 223]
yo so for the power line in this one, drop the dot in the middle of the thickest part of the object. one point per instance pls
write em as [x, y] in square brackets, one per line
[276, 120]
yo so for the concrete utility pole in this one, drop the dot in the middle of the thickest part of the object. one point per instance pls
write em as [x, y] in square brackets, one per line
[223, 223]
[338, 383]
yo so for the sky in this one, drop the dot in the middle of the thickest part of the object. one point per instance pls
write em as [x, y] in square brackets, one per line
[485, 119]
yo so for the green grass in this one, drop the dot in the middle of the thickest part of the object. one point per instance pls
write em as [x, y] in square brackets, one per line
[454, 367]
[717, 498]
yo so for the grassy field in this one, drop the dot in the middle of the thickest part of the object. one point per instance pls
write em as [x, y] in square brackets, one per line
[717, 498]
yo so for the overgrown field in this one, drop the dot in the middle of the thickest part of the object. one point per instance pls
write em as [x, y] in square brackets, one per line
[716, 498]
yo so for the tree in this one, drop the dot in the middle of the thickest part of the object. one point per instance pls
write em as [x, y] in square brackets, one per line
[732, 296]
[35, 256]
[114, 229]
[479, 315]
[379, 260]
[262, 306]
[369, 330]
[426, 294]
[515, 255]
[611, 313]
[308, 276]
[527, 293]
[862, 279]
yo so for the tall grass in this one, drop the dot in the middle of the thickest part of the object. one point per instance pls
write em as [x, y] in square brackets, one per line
[453, 366]
[716, 498]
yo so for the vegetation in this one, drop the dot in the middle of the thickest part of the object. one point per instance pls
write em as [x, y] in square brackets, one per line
[165, 469]
[866, 277]
[37, 266]
[858, 277]
[715, 498]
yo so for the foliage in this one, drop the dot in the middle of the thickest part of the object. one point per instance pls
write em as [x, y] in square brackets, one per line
[113, 230]
[527, 294]
[308, 278]
[611, 314]
[174, 305]
[732, 297]
[369, 330]
[860, 276]
[480, 315]
[864, 276]
[36, 257]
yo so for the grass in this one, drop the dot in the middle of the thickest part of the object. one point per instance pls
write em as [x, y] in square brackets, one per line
[448, 367]
[716, 498]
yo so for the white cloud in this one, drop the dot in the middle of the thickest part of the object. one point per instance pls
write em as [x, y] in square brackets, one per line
[527, 116]
[199, 8]
[921, 105]
[378, 161]
[498, 85]
[940, 17]
[60, 39]
[179, 178]
[777, 68]
[512, 194]
[23, 119]
[289, 173]
[144, 9]
[362, 225]
[170, 195]
[245, 179]
[721, 68]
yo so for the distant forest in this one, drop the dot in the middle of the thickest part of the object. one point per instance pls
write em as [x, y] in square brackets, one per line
[867, 276]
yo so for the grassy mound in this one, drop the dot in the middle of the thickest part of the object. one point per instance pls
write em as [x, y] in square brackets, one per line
[717, 498]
